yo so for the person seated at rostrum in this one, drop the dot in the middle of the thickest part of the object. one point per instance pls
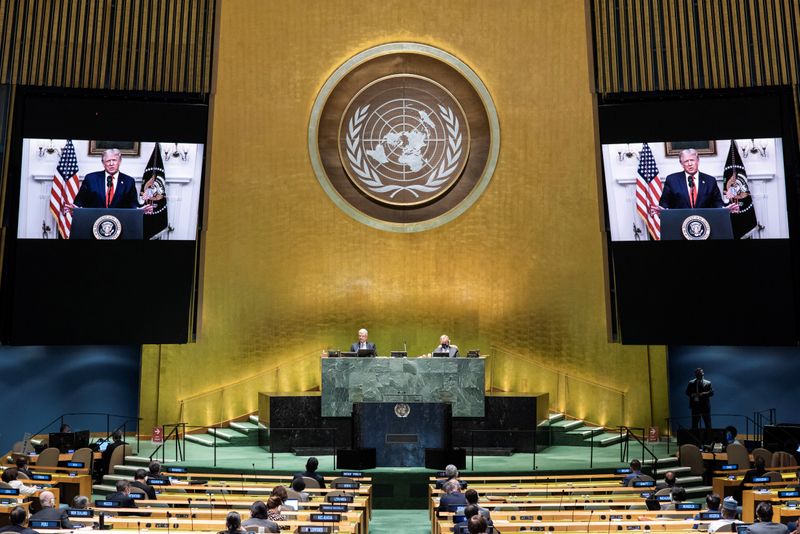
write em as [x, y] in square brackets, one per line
[10, 477]
[311, 471]
[16, 519]
[233, 524]
[453, 498]
[258, 518]
[140, 482]
[49, 512]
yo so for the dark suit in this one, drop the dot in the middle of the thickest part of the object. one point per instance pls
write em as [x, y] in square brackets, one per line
[53, 514]
[124, 500]
[452, 350]
[150, 491]
[92, 193]
[676, 192]
[701, 406]
[354, 347]
[451, 501]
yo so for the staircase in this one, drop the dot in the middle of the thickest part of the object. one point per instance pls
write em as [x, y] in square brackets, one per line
[576, 432]
[235, 434]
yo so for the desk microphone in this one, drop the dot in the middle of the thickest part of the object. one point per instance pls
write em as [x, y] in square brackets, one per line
[211, 502]
[589, 523]
[169, 516]
[561, 500]
[191, 514]
[242, 474]
[139, 527]
[222, 492]
[609, 524]
[255, 476]
[574, 505]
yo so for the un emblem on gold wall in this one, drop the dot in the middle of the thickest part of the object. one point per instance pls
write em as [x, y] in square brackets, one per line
[404, 137]
[404, 140]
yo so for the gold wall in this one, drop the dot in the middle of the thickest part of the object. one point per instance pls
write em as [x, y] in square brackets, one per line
[287, 273]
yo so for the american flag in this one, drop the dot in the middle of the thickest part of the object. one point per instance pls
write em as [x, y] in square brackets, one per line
[65, 187]
[648, 191]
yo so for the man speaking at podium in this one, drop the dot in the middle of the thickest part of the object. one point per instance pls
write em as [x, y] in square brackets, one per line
[108, 188]
[690, 189]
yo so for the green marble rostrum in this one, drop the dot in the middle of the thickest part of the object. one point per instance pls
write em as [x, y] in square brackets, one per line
[459, 381]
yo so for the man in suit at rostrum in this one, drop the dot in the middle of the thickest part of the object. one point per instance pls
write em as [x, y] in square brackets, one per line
[691, 188]
[108, 188]
[362, 342]
[445, 346]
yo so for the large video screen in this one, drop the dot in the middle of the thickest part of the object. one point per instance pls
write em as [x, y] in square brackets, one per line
[700, 200]
[745, 177]
[103, 218]
[161, 180]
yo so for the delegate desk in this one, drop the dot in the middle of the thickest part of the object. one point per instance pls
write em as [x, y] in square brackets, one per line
[458, 381]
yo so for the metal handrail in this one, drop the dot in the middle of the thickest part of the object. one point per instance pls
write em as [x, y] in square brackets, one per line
[473, 431]
[316, 429]
[755, 423]
[180, 451]
[623, 457]
[108, 416]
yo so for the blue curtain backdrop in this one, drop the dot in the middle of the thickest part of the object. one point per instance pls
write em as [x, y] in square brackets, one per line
[745, 380]
[37, 384]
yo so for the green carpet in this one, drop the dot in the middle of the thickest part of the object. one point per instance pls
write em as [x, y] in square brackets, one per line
[400, 522]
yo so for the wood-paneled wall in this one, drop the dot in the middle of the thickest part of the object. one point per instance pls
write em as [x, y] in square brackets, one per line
[135, 45]
[666, 45]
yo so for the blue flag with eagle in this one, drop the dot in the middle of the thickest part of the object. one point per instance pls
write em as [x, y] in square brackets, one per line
[154, 191]
[736, 189]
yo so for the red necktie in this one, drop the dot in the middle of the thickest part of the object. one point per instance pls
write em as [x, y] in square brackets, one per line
[692, 191]
[110, 193]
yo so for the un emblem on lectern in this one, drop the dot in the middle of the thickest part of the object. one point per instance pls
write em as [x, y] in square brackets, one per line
[402, 409]
[404, 137]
